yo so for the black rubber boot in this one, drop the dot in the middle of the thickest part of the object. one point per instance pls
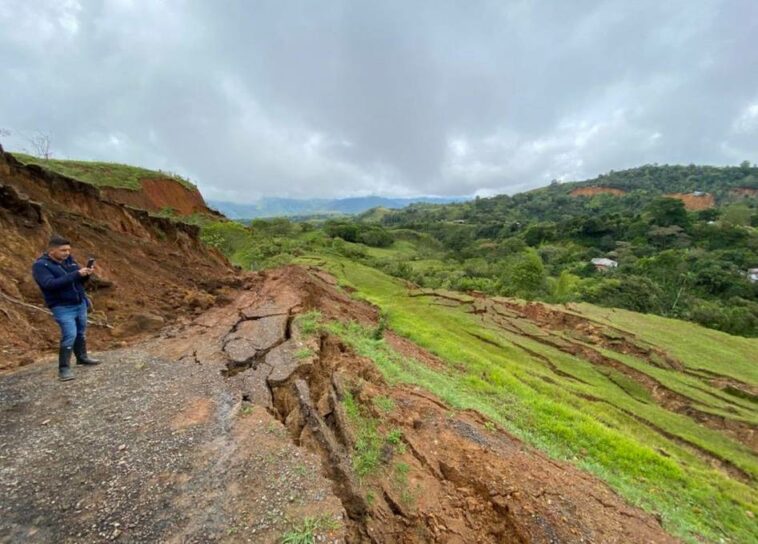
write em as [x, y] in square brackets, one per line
[64, 368]
[80, 350]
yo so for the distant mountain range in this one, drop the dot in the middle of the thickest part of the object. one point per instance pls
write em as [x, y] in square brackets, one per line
[278, 207]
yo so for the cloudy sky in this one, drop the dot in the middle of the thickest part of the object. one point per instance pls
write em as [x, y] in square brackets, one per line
[330, 98]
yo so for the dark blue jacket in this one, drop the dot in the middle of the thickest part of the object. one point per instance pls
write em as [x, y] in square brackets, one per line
[60, 283]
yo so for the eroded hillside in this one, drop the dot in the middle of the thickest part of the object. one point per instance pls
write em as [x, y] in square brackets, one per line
[150, 190]
[265, 392]
[150, 269]
[663, 410]
[330, 399]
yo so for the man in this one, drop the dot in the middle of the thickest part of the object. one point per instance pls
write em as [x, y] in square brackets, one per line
[62, 283]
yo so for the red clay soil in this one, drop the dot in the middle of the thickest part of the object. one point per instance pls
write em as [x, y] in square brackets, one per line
[158, 194]
[149, 270]
[454, 478]
[694, 202]
[592, 191]
[745, 192]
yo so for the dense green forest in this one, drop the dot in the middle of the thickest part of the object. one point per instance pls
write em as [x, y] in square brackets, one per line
[539, 244]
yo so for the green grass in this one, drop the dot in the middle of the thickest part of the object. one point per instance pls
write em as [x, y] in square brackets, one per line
[697, 347]
[309, 322]
[611, 439]
[400, 480]
[262, 245]
[369, 438]
[308, 529]
[102, 174]
[304, 353]
[368, 442]
[401, 249]
[384, 404]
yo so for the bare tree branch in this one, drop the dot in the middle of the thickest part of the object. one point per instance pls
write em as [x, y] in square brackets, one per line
[40, 143]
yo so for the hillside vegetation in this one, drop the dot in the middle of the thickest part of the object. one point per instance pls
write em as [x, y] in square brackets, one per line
[102, 174]
[650, 413]
[673, 262]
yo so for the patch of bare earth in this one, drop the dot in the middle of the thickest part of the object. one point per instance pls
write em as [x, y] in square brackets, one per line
[150, 270]
[592, 191]
[694, 202]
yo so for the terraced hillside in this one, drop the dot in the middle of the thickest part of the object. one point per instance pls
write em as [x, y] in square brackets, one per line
[662, 410]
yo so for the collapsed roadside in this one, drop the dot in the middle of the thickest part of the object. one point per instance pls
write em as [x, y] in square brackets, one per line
[405, 466]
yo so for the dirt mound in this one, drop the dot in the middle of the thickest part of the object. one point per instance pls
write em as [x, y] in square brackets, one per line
[160, 194]
[694, 202]
[442, 477]
[592, 191]
[146, 265]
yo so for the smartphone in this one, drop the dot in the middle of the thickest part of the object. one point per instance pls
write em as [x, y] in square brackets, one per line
[90, 262]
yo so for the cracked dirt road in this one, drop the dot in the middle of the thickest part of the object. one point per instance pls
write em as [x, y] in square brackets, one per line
[142, 449]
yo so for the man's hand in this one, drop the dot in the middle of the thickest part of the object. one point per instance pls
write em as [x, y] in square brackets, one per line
[86, 271]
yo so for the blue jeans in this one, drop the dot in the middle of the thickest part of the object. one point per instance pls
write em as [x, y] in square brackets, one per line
[73, 322]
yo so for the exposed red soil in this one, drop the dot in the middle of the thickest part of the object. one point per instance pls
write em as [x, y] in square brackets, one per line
[150, 270]
[592, 191]
[745, 192]
[694, 202]
[462, 480]
[158, 194]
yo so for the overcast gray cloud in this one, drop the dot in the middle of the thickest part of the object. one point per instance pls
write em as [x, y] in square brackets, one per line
[332, 98]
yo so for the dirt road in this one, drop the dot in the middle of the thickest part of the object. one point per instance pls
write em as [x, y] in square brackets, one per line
[140, 449]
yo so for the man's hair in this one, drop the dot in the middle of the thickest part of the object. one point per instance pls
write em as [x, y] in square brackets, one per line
[57, 241]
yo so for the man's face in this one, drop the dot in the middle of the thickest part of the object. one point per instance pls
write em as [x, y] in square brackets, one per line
[59, 253]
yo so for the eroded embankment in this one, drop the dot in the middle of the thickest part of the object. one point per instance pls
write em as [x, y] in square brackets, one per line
[607, 347]
[406, 467]
[599, 343]
[150, 270]
[594, 341]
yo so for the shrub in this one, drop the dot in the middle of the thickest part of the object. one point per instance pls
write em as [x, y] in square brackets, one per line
[630, 292]
[524, 276]
[347, 231]
[376, 237]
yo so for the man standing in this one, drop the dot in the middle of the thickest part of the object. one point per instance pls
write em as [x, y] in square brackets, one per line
[62, 283]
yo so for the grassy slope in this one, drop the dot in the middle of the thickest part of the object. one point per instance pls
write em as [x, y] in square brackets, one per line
[702, 348]
[626, 439]
[102, 174]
